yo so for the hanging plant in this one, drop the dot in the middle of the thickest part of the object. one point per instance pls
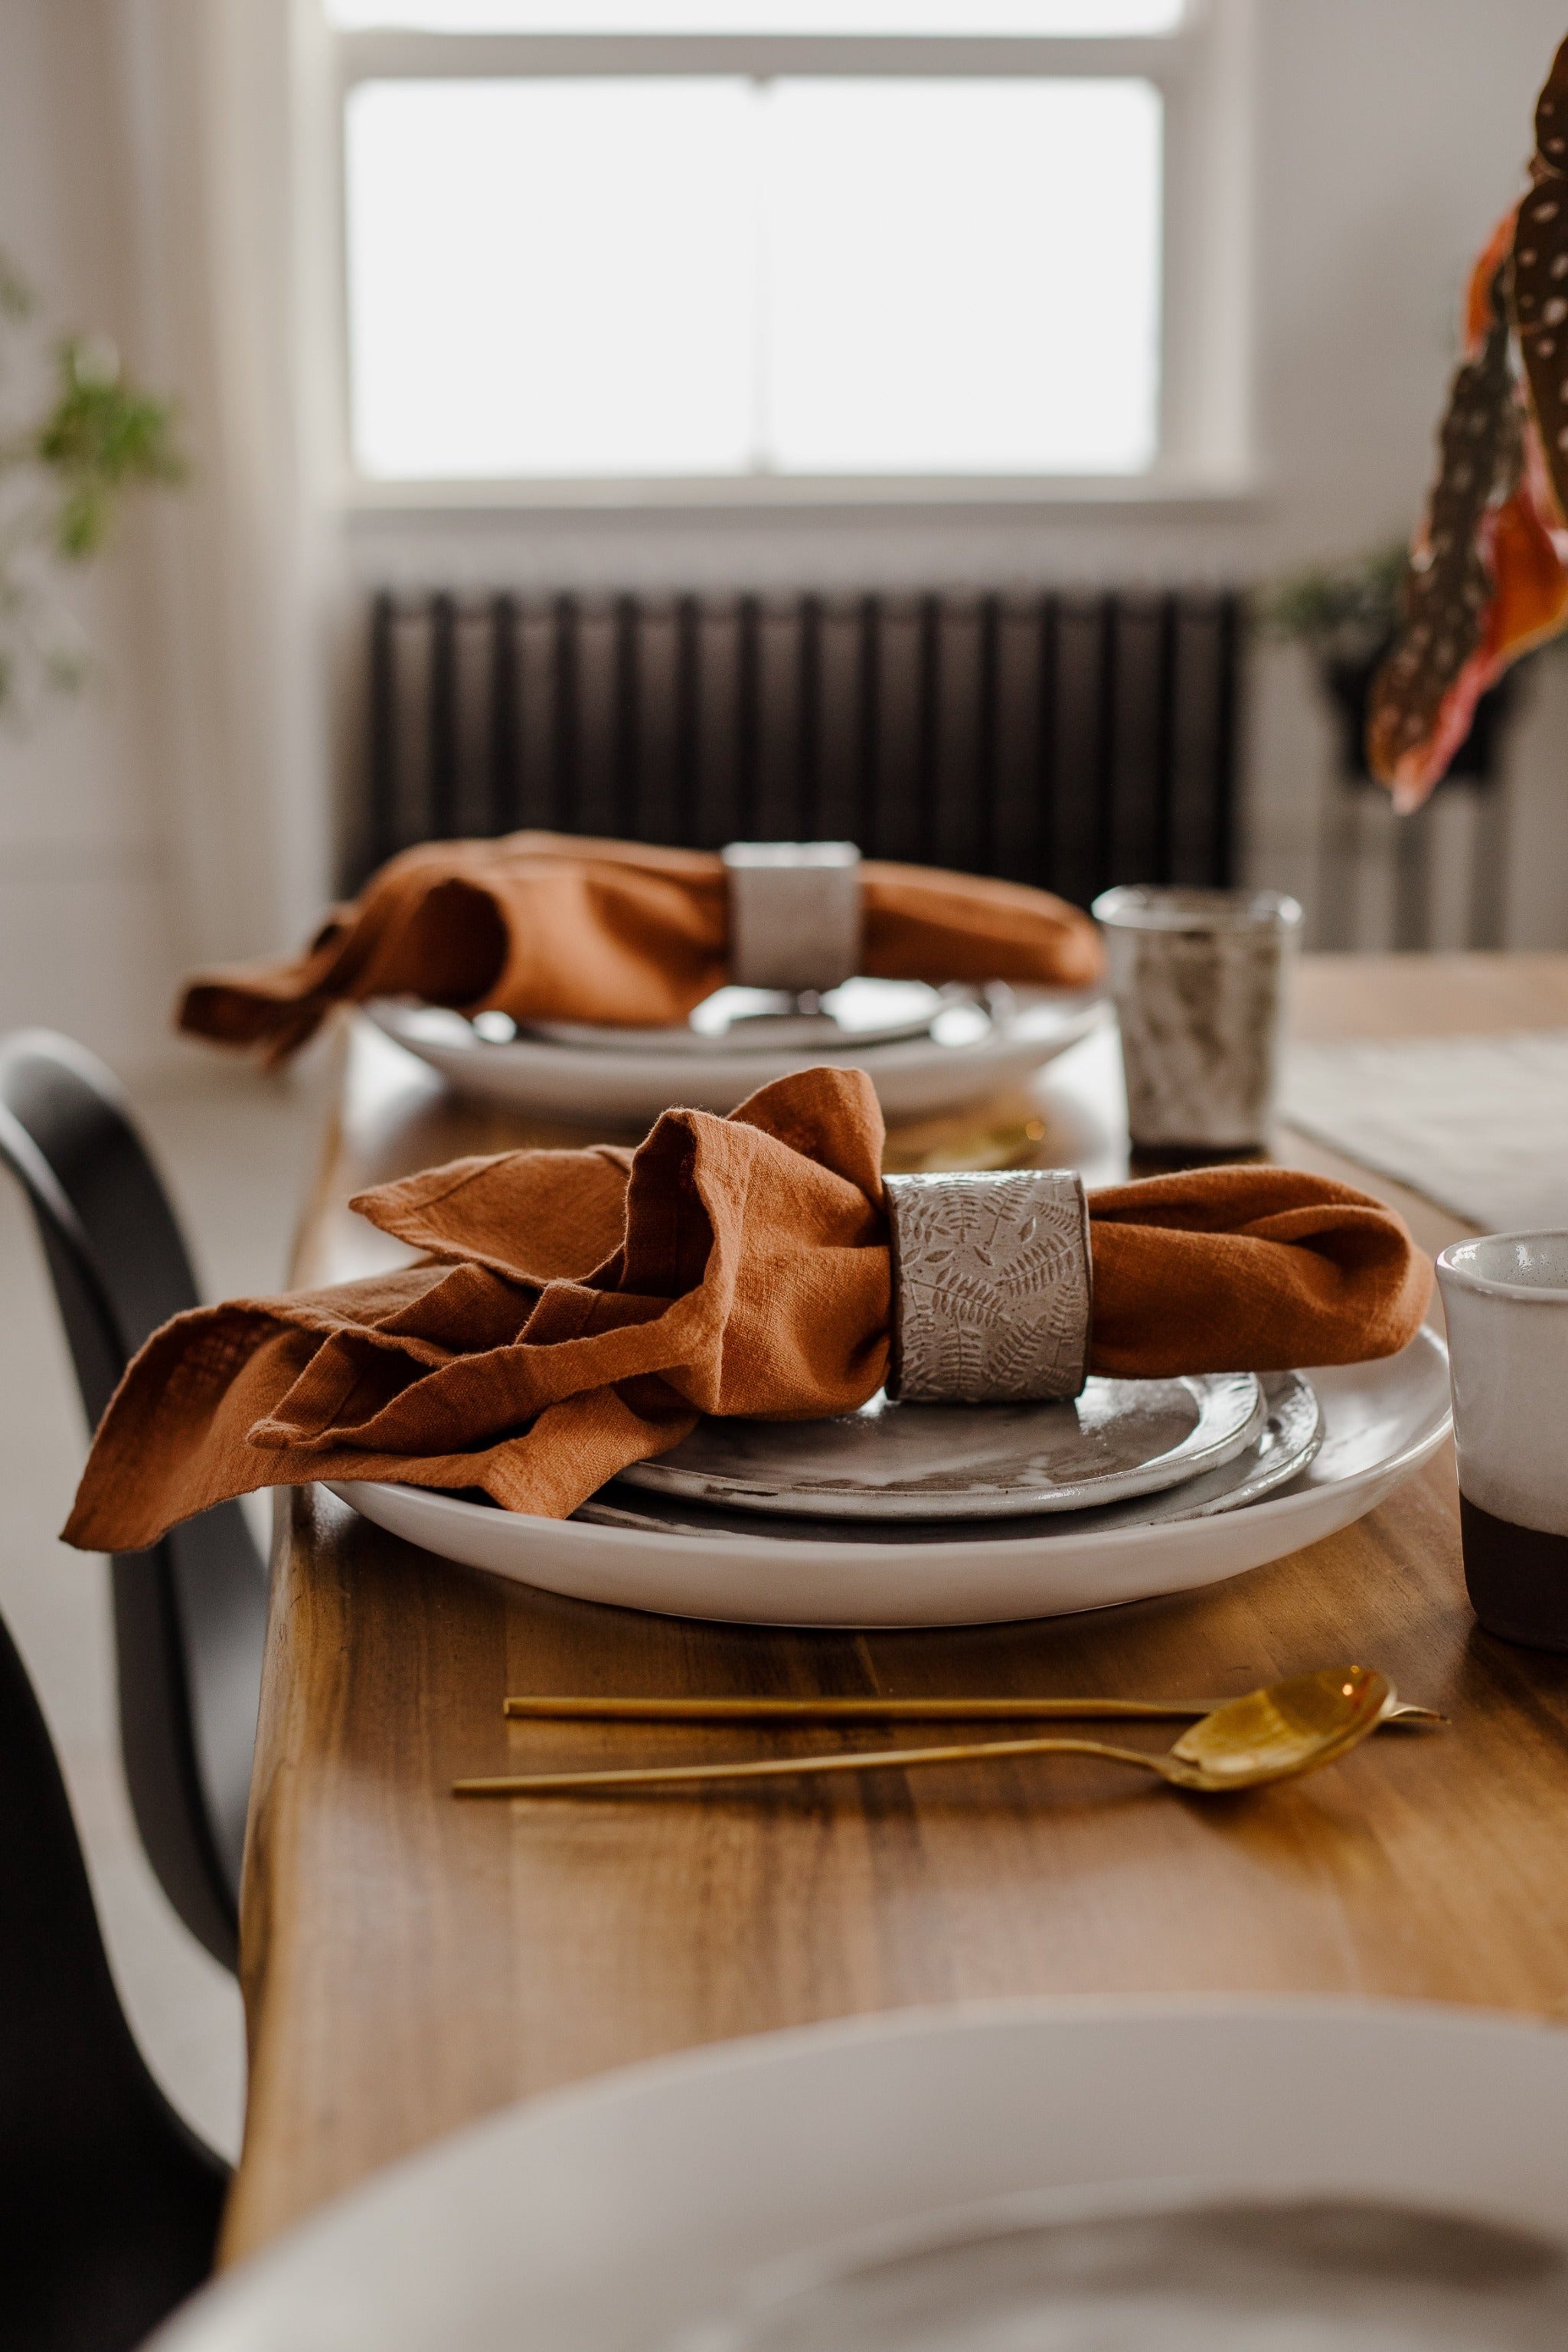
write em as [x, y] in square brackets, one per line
[1488, 572]
[64, 474]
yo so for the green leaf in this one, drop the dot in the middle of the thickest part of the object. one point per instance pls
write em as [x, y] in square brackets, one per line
[102, 437]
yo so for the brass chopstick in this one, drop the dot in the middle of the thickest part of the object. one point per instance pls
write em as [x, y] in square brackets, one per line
[876, 1710]
[768, 1768]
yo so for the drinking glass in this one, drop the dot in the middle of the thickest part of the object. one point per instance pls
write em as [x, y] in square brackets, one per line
[1199, 978]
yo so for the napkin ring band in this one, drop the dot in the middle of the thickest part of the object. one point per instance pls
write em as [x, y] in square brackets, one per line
[992, 1287]
[794, 914]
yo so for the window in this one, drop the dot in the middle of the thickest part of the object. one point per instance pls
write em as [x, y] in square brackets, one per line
[736, 241]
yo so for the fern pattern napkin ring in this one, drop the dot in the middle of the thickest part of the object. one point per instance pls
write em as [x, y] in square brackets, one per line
[991, 1287]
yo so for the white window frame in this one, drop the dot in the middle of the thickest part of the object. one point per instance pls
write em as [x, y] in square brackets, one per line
[1203, 72]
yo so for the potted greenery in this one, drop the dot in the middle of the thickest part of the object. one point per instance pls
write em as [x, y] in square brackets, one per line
[1345, 614]
[63, 474]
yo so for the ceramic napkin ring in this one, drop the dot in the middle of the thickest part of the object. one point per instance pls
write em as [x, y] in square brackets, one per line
[992, 1287]
[794, 914]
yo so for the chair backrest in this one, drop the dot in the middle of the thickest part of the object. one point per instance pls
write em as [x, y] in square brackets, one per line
[109, 2208]
[190, 1615]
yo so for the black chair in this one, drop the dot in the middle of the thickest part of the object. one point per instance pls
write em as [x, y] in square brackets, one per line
[109, 2207]
[190, 1615]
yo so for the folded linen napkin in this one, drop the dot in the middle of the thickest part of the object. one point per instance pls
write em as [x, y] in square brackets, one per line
[543, 925]
[575, 1311]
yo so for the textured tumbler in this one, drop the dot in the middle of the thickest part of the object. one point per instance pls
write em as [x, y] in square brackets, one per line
[1198, 979]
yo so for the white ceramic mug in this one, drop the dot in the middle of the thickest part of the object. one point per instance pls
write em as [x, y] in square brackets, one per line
[1505, 1298]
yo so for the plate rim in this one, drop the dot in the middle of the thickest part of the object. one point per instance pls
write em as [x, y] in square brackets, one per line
[1080, 1012]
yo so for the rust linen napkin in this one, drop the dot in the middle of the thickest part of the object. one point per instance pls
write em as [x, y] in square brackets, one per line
[575, 1311]
[547, 926]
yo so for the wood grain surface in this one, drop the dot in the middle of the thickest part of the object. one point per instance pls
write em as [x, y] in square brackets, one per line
[411, 1961]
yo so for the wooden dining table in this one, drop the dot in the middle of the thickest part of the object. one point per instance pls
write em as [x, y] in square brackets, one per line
[411, 1962]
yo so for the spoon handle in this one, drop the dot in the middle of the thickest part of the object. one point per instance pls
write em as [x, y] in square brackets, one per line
[551, 1784]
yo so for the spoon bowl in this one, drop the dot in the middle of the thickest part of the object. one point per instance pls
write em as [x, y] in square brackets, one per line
[1286, 1728]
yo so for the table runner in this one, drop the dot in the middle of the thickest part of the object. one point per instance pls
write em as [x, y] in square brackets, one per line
[1479, 1125]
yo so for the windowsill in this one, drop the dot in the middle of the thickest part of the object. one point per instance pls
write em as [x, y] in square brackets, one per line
[1184, 492]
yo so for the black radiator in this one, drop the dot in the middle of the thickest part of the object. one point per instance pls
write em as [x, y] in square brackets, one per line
[1068, 740]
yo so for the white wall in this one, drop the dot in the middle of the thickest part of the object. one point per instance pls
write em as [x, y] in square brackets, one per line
[88, 938]
[1389, 135]
[179, 814]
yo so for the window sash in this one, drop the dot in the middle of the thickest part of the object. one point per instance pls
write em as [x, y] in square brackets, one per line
[1201, 283]
[393, 55]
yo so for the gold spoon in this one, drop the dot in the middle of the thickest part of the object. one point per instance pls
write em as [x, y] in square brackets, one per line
[1273, 1734]
[552, 1709]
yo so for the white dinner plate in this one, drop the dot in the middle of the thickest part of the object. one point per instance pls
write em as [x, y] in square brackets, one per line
[1310, 2176]
[891, 1461]
[1289, 1436]
[918, 1077]
[1381, 1421]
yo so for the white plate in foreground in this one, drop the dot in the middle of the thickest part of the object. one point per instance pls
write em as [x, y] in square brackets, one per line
[785, 2194]
[918, 1078]
[1381, 1422]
